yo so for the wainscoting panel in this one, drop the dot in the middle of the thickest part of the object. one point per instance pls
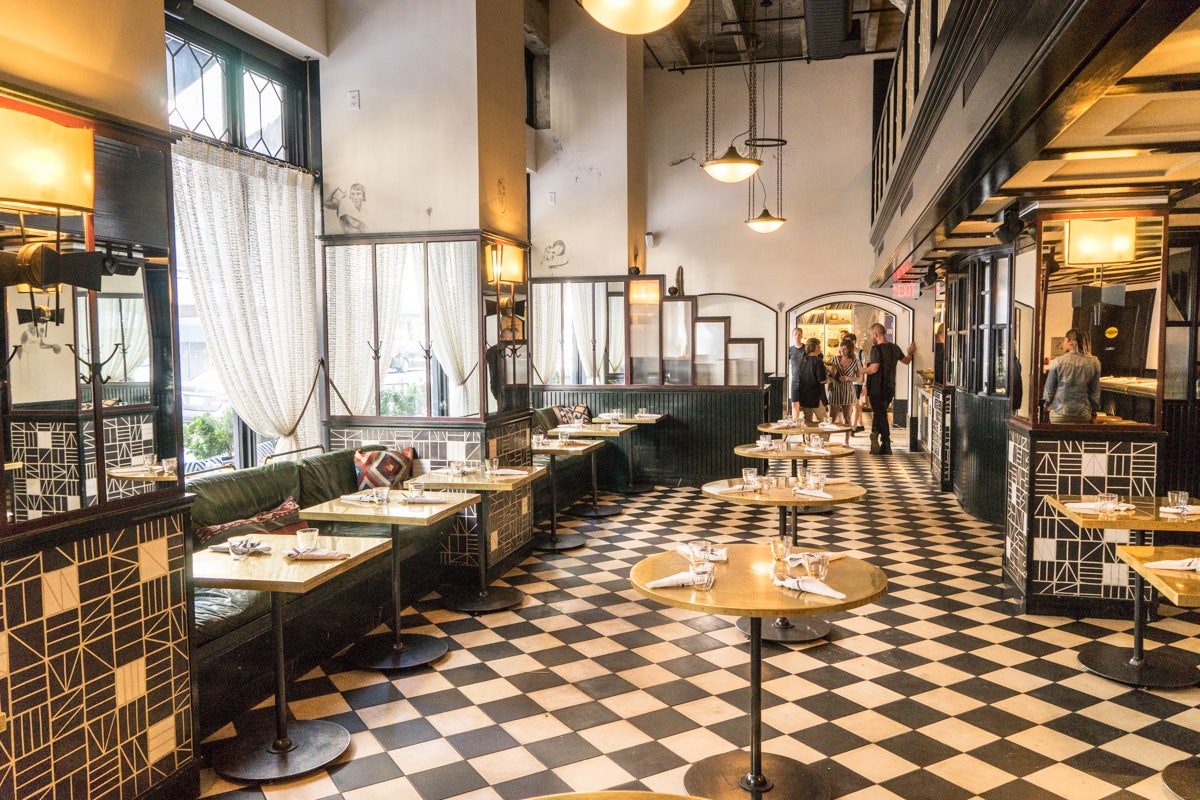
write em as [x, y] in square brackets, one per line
[980, 432]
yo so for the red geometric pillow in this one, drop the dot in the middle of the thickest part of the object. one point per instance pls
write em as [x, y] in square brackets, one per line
[382, 468]
[572, 415]
[279, 519]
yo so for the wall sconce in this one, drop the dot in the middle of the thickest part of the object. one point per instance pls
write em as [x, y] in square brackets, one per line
[635, 18]
[644, 293]
[45, 165]
[1101, 241]
[507, 264]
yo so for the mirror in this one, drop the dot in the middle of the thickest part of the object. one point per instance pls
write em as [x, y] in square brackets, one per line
[1024, 296]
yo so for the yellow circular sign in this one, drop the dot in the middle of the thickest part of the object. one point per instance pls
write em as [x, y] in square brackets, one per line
[1110, 333]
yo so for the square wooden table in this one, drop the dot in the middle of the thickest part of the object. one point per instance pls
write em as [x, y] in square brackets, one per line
[644, 422]
[554, 448]
[1161, 668]
[400, 650]
[255, 755]
[485, 598]
[593, 431]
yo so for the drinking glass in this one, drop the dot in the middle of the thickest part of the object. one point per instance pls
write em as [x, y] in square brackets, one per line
[816, 565]
[703, 573]
[149, 459]
[563, 436]
[816, 480]
[699, 551]
[492, 464]
[306, 539]
[170, 465]
[1178, 500]
[641, 410]
[1106, 502]
[781, 546]
[749, 477]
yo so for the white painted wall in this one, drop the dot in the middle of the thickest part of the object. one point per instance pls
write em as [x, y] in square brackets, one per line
[105, 56]
[500, 138]
[294, 26]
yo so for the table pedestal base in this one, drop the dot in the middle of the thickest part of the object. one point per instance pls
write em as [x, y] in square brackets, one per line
[724, 777]
[1182, 778]
[1161, 668]
[472, 601]
[814, 510]
[782, 629]
[590, 511]
[381, 652]
[636, 488]
[555, 543]
[257, 756]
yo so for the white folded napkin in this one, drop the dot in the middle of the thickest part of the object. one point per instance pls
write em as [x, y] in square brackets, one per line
[739, 489]
[835, 481]
[1177, 510]
[796, 559]
[720, 554]
[259, 547]
[678, 579]
[777, 425]
[646, 416]
[829, 426]
[1191, 564]
[813, 493]
[755, 449]
[1094, 508]
[422, 500]
[504, 471]
[316, 554]
[361, 497]
[822, 450]
[811, 586]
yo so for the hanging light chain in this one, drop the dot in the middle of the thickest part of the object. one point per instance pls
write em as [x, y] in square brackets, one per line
[779, 119]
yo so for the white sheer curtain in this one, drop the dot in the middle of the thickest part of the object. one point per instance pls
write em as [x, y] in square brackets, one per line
[546, 320]
[245, 232]
[589, 320]
[123, 320]
[399, 273]
[454, 321]
[351, 334]
[616, 336]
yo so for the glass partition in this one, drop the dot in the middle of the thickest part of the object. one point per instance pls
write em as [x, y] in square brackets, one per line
[1024, 299]
[645, 321]
[711, 335]
[677, 315]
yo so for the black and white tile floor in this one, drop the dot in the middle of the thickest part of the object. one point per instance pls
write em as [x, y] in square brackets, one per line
[940, 690]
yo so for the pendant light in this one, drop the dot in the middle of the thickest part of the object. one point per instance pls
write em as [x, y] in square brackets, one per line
[767, 222]
[635, 17]
[732, 166]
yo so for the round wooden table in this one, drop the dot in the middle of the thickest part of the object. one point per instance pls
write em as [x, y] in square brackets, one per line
[783, 629]
[800, 429]
[744, 587]
[783, 451]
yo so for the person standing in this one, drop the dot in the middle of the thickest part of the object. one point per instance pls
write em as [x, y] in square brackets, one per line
[1072, 392]
[795, 356]
[811, 382]
[881, 385]
[843, 396]
[859, 375]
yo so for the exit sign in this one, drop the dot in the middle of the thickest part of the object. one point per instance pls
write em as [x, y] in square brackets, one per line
[906, 291]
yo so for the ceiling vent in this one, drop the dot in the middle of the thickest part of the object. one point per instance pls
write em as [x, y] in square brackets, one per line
[830, 31]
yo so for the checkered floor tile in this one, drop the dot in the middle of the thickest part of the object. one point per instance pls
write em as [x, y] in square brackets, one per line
[939, 690]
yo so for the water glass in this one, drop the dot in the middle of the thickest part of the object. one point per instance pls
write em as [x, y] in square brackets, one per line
[149, 459]
[1106, 502]
[491, 465]
[306, 539]
[816, 565]
[563, 436]
[1178, 500]
[240, 548]
[170, 465]
[537, 439]
[781, 546]
[703, 574]
[700, 551]
[641, 410]
[816, 480]
[749, 477]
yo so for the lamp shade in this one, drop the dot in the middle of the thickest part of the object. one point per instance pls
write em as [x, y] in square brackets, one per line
[1101, 241]
[635, 17]
[508, 264]
[644, 293]
[765, 223]
[732, 167]
[44, 164]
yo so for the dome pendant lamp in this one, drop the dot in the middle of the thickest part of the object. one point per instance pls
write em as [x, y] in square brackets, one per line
[732, 167]
[635, 17]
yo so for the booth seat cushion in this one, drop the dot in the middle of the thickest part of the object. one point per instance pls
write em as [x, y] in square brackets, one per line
[542, 420]
[219, 611]
[328, 475]
[572, 415]
[241, 495]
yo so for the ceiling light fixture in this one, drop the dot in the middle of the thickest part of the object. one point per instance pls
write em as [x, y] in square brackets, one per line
[732, 166]
[767, 222]
[635, 17]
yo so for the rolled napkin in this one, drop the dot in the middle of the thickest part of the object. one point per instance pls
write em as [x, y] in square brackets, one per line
[739, 489]
[361, 497]
[811, 586]
[829, 426]
[678, 579]
[720, 554]
[509, 472]
[1191, 564]
[796, 559]
[316, 554]
[1177, 510]
[1094, 508]
[777, 425]
[646, 416]
[813, 493]
[755, 449]
[422, 500]
[258, 547]
[822, 450]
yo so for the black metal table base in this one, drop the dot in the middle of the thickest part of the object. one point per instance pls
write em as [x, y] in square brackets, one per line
[1161, 668]
[590, 511]
[636, 488]
[815, 510]
[383, 652]
[557, 542]
[258, 756]
[724, 777]
[789, 631]
[1182, 779]
[473, 601]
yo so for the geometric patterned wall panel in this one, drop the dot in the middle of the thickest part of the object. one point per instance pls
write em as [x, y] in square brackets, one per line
[939, 429]
[126, 439]
[94, 670]
[49, 480]
[1016, 528]
[1066, 560]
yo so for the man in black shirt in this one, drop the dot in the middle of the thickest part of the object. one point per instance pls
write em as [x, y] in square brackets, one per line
[881, 385]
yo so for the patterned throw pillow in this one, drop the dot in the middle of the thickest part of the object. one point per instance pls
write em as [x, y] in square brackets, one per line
[382, 468]
[572, 415]
[284, 518]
